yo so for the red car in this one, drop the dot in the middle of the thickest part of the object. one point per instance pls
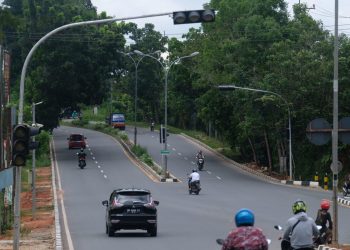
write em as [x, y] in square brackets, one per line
[76, 141]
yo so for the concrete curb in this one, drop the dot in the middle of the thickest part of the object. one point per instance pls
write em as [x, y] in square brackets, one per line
[323, 247]
[344, 201]
[145, 167]
[314, 184]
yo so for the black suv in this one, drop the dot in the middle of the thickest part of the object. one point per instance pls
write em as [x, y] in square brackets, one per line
[131, 208]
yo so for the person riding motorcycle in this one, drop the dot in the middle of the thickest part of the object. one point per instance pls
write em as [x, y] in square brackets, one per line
[199, 155]
[301, 229]
[245, 236]
[323, 216]
[347, 184]
[194, 176]
[81, 154]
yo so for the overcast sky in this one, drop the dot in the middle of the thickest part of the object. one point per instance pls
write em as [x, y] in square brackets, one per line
[324, 10]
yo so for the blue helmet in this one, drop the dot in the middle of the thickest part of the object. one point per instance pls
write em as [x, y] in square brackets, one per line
[244, 217]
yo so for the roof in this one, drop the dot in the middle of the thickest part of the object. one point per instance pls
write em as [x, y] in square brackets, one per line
[132, 190]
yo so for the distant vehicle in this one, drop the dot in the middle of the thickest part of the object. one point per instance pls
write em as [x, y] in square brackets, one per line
[118, 121]
[76, 141]
[131, 208]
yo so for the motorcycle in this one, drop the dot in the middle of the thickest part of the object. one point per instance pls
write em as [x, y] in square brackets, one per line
[195, 187]
[200, 163]
[285, 243]
[346, 190]
[222, 241]
[81, 160]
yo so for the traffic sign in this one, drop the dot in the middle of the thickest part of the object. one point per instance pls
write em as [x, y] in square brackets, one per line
[318, 131]
[164, 152]
[338, 168]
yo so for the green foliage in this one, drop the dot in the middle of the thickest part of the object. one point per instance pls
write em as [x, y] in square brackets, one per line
[142, 154]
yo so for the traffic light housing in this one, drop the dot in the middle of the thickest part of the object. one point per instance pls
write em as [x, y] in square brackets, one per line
[22, 143]
[20, 147]
[194, 16]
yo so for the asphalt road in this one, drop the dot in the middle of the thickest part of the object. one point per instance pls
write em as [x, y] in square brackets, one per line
[184, 221]
[270, 202]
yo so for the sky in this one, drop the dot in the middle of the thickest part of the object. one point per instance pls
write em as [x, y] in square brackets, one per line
[323, 10]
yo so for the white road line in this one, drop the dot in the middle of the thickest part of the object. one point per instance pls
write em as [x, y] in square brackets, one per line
[193, 162]
[99, 166]
[186, 158]
[101, 171]
[96, 162]
[208, 172]
[174, 149]
[93, 158]
[64, 215]
[152, 136]
[218, 177]
[179, 153]
[105, 176]
[168, 145]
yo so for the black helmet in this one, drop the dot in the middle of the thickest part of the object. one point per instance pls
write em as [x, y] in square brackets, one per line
[194, 170]
[81, 149]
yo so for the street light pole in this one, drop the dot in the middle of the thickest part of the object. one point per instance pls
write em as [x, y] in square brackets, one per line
[33, 165]
[166, 68]
[136, 64]
[289, 120]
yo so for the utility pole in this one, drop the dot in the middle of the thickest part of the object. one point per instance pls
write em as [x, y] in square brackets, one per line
[335, 127]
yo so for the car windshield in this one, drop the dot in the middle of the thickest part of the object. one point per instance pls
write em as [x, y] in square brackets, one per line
[76, 137]
[135, 197]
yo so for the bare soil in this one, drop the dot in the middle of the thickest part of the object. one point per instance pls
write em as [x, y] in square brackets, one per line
[38, 233]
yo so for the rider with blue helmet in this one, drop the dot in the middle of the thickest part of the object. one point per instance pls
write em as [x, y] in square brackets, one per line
[245, 236]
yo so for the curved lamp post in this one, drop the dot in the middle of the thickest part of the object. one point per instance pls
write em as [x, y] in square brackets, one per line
[227, 87]
[136, 64]
[33, 164]
[166, 68]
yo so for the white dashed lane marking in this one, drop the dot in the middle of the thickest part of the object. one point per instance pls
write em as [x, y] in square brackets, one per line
[174, 149]
[193, 162]
[105, 176]
[208, 172]
[186, 158]
[218, 177]
[179, 153]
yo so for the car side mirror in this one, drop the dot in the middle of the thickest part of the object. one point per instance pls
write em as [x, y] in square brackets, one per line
[105, 203]
[220, 241]
[156, 203]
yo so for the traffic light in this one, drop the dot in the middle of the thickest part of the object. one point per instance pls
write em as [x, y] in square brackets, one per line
[194, 16]
[20, 140]
[22, 143]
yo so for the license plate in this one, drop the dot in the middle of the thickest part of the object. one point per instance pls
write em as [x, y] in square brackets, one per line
[133, 210]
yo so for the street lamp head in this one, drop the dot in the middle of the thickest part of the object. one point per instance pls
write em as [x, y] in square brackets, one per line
[38, 103]
[226, 87]
[138, 52]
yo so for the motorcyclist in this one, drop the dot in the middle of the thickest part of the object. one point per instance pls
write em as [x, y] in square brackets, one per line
[152, 125]
[194, 176]
[81, 154]
[245, 236]
[347, 183]
[301, 229]
[323, 216]
[199, 155]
